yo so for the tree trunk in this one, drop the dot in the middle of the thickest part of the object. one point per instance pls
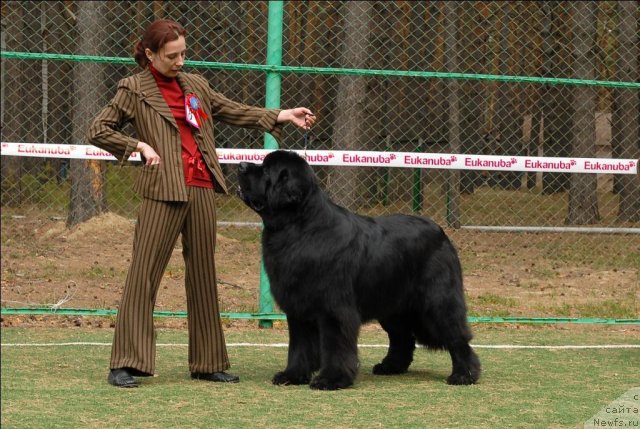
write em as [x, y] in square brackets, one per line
[583, 198]
[58, 38]
[531, 21]
[452, 184]
[533, 145]
[436, 101]
[625, 137]
[558, 106]
[23, 91]
[12, 84]
[88, 196]
[350, 119]
[472, 44]
[508, 118]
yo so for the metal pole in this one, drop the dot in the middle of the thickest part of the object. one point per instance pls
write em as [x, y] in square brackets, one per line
[274, 58]
[272, 101]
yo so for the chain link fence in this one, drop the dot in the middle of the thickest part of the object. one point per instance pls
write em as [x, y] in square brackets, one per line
[597, 41]
[52, 99]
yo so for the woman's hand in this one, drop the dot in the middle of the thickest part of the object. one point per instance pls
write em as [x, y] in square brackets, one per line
[147, 152]
[300, 117]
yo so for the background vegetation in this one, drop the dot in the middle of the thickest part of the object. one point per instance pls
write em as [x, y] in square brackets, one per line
[53, 100]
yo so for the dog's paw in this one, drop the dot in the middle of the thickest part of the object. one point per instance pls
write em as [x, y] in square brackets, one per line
[385, 369]
[284, 378]
[323, 383]
[456, 379]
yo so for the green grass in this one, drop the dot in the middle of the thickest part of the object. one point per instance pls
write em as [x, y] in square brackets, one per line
[490, 304]
[614, 309]
[99, 272]
[621, 252]
[65, 386]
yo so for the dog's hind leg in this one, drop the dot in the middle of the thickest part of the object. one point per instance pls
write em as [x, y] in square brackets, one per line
[304, 353]
[339, 350]
[401, 346]
[466, 365]
[446, 329]
[455, 335]
[441, 321]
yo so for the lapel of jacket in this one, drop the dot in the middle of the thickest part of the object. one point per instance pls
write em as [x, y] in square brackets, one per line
[187, 88]
[153, 97]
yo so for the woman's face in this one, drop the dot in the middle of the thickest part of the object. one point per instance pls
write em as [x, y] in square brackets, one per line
[170, 58]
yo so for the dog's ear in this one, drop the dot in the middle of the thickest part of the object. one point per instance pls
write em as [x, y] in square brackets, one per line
[283, 176]
[287, 190]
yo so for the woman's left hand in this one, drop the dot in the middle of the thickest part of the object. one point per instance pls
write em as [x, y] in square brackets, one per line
[300, 116]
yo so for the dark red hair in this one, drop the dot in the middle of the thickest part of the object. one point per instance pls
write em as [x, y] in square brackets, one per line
[155, 37]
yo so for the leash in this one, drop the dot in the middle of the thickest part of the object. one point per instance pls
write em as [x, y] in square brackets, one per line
[306, 140]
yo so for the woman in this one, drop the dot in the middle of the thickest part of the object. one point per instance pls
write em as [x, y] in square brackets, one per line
[173, 114]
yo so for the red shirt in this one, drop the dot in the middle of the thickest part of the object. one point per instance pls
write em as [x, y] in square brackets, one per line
[196, 172]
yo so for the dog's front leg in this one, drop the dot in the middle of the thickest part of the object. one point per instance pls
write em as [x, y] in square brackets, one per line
[304, 353]
[339, 354]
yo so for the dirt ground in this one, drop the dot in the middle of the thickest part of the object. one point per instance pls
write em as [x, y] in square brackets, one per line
[45, 264]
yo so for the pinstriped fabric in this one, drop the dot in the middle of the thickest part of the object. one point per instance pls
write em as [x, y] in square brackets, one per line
[235, 113]
[139, 101]
[157, 230]
[170, 208]
[104, 131]
[203, 315]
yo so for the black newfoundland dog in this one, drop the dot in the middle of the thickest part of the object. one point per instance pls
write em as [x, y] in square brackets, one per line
[330, 270]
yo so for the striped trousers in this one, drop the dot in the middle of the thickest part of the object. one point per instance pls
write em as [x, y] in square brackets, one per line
[156, 232]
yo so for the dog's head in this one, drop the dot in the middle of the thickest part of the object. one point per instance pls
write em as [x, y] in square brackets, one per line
[280, 184]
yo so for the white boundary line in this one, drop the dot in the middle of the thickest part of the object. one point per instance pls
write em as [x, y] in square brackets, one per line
[284, 345]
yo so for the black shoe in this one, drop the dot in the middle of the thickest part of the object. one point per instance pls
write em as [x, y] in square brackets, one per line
[120, 377]
[222, 377]
[136, 372]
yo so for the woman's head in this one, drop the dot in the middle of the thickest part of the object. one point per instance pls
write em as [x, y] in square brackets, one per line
[163, 45]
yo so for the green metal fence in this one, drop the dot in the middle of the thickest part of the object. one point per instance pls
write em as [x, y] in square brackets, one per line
[553, 79]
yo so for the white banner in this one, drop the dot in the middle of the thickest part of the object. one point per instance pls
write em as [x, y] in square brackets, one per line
[363, 159]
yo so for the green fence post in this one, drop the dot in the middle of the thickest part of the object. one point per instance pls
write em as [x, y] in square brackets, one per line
[272, 101]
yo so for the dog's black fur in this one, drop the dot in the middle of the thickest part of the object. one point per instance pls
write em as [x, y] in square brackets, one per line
[331, 270]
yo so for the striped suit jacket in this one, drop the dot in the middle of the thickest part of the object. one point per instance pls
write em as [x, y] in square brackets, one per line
[139, 101]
